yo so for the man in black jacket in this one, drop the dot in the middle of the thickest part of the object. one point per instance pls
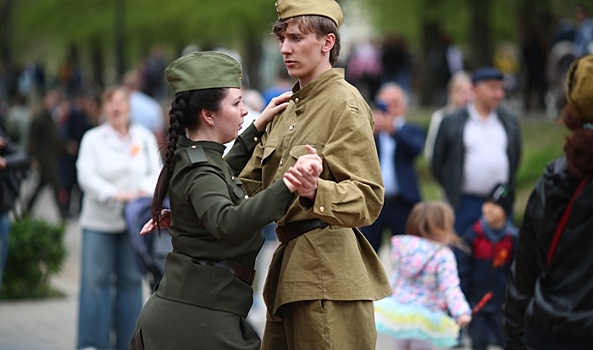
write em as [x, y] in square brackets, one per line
[477, 147]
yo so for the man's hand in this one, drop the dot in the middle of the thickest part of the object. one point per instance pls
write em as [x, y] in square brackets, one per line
[303, 176]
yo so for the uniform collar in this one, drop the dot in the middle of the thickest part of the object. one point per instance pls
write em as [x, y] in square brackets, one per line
[316, 86]
[185, 142]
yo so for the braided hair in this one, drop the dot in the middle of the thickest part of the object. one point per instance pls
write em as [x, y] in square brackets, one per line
[183, 115]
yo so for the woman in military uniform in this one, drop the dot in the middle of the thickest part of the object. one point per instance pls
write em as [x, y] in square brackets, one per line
[206, 293]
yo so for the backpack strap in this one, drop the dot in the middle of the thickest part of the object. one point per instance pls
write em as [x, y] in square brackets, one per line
[564, 220]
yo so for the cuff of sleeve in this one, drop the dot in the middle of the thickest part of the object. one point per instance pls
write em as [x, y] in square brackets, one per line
[322, 203]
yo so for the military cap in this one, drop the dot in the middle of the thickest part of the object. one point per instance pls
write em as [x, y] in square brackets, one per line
[579, 88]
[203, 70]
[486, 73]
[327, 8]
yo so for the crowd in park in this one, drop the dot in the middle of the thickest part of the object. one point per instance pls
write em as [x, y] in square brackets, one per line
[322, 167]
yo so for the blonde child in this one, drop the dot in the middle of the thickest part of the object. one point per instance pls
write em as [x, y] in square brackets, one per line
[425, 283]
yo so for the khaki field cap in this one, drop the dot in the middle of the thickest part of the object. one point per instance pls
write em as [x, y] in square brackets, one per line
[203, 70]
[579, 88]
[293, 8]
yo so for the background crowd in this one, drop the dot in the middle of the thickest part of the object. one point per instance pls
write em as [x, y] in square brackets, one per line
[48, 114]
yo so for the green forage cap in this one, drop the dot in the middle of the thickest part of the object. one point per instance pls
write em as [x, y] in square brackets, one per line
[204, 70]
[293, 8]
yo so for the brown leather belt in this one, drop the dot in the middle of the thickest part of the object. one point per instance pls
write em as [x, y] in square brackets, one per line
[242, 272]
[294, 229]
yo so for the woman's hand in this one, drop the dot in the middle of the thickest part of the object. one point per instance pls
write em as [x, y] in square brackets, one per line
[303, 176]
[151, 225]
[464, 320]
[276, 105]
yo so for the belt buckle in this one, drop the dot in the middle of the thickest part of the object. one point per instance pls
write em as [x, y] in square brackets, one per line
[281, 235]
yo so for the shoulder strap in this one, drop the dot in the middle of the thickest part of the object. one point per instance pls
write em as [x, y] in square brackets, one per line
[564, 220]
[196, 154]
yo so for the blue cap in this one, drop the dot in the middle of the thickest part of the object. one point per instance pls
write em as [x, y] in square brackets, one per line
[486, 73]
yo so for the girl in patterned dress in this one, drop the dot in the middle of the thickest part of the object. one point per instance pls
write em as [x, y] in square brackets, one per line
[425, 283]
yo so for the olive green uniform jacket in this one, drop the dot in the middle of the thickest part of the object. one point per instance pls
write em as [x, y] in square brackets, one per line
[213, 218]
[336, 262]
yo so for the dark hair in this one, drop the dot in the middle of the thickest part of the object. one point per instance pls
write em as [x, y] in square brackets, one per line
[321, 25]
[578, 146]
[183, 115]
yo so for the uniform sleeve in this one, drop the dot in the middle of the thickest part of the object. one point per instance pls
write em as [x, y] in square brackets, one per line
[354, 197]
[523, 273]
[243, 148]
[448, 282]
[251, 174]
[93, 185]
[209, 194]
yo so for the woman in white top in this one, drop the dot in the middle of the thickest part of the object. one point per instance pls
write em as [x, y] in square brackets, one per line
[118, 162]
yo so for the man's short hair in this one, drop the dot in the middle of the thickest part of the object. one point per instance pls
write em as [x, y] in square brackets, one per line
[321, 25]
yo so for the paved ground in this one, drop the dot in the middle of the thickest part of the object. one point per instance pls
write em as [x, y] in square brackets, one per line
[50, 324]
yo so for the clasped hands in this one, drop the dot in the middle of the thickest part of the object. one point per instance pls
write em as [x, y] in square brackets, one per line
[301, 178]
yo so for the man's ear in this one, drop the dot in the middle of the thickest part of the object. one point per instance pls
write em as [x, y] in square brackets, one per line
[329, 40]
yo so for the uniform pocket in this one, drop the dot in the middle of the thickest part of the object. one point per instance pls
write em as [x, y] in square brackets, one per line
[268, 152]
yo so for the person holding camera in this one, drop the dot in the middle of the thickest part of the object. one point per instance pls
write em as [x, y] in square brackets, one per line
[398, 144]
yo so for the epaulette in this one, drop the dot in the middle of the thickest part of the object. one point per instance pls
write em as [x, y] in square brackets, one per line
[196, 154]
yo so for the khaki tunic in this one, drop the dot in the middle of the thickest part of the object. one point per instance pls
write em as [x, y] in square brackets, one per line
[337, 262]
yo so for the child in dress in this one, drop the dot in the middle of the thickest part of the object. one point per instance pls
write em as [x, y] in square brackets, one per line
[425, 283]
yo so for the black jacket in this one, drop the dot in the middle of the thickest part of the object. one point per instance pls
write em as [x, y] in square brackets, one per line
[552, 307]
[449, 152]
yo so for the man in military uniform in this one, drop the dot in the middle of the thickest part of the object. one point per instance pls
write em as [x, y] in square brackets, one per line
[324, 275]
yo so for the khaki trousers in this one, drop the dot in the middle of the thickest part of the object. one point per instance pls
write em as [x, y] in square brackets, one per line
[322, 324]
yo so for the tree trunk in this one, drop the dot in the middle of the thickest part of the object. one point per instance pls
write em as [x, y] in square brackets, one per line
[430, 41]
[481, 36]
[6, 30]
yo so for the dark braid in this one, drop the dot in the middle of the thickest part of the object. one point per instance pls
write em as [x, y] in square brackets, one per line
[184, 115]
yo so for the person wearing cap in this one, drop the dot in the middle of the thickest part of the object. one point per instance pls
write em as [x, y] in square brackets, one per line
[549, 299]
[206, 291]
[484, 268]
[325, 275]
[477, 147]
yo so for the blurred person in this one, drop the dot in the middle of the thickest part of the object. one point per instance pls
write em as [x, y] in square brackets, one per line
[46, 147]
[144, 110]
[363, 68]
[535, 57]
[13, 162]
[459, 92]
[477, 147]
[424, 282]
[118, 162]
[72, 122]
[205, 294]
[483, 270]
[583, 37]
[396, 62]
[507, 61]
[282, 84]
[398, 144]
[18, 120]
[549, 299]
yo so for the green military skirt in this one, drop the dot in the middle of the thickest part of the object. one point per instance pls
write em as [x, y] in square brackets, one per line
[165, 324]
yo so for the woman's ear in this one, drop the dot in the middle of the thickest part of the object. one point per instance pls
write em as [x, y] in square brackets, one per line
[207, 117]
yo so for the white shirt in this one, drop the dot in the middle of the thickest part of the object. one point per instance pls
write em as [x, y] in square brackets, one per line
[108, 163]
[486, 161]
